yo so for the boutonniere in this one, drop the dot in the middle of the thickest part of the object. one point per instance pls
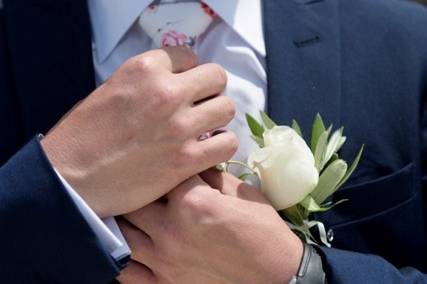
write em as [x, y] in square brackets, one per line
[297, 176]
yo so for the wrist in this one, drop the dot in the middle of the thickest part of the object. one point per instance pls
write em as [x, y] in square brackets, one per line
[287, 260]
[65, 164]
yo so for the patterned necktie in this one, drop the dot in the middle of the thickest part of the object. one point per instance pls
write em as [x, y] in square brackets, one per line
[176, 22]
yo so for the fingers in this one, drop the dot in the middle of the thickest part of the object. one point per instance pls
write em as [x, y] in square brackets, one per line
[215, 179]
[212, 114]
[231, 186]
[206, 80]
[226, 183]
[190, 202]
[181, 190]
[175, 59]
[215, 150]
[148, 218]
[141, 245]
[136, 273]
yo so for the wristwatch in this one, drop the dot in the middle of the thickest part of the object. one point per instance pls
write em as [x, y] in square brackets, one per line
[311, 268]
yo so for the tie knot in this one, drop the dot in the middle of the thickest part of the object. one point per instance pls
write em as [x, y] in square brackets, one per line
[176, 22]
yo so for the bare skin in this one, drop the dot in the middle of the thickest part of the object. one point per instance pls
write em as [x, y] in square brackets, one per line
[136, 136]
[213, 229]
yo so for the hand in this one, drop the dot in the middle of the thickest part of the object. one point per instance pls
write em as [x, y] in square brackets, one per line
[202, 235]
[136, 136]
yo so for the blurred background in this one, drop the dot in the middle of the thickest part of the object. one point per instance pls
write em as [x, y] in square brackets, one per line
[423, 1]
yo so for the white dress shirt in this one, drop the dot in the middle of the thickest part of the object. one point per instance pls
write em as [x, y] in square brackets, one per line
[235, 41]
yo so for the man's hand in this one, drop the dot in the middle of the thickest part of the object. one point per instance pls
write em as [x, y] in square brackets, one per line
[230, 234]
[137, 135]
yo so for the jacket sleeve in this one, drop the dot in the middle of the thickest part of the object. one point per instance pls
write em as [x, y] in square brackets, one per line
[352, 267]
[10, 134]
[43, 237]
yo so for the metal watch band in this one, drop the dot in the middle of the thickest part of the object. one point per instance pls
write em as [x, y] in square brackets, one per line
[311, 268]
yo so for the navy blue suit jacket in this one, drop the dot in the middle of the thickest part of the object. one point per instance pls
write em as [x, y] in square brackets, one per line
[360, 63]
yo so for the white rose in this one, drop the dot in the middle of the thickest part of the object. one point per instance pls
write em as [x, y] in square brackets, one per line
[285, 167]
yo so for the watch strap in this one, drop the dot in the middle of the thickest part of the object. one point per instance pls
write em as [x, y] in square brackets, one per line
[311, 268]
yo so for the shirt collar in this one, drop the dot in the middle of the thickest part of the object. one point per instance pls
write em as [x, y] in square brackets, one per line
[111, 19]
[244, 17]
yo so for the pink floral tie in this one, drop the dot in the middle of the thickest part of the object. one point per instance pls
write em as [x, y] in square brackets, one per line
[176, 22]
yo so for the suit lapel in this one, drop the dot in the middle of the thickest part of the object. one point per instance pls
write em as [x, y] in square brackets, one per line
[50, 46]
[303, 60]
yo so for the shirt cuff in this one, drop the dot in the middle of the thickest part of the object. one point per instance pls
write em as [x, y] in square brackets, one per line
[107, 230]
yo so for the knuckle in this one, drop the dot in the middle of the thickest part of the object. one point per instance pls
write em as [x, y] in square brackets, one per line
[166, 94]
[185, 157]
[141, 64]
[178, 127]
[199, 207]
[197, 201]
[118, 100]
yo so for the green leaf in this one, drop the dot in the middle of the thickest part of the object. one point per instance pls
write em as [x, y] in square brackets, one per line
[352, 167]
[334, 157]
[294, 215]
[329, 180]
[324, 208]
[310, 204]
[267, 121]
[296, 127]
[319, 153]
[258, 140]
[334, 145]
[256, 128]
[317, 130]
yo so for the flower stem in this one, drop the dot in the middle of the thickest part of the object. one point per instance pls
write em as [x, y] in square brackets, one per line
[238, 163]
